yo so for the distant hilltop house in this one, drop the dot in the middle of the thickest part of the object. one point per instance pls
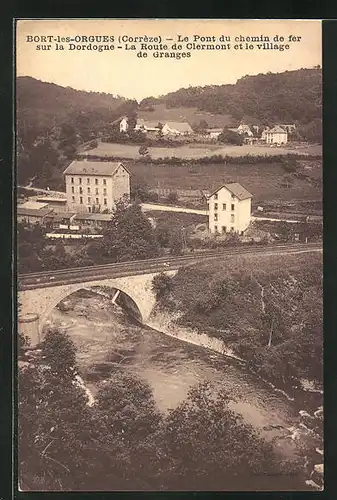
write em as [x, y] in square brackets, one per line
[276, 135]
[229, 209]
[93, 186]
[177, 128]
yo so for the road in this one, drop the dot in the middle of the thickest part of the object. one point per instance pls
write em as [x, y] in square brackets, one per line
[45, 279]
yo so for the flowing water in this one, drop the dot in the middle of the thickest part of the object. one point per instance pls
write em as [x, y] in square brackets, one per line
[105, 337]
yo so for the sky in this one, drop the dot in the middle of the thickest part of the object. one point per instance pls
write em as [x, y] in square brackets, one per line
[121, 72]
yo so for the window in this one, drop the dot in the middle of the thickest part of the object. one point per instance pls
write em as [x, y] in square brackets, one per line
[216, 229]
[104, 182]
[232, 218]
[81, 191]
[216, 217]
[73, 199]
[80, 180]
[104, 191]
[72, 180]
[232, 207]
[97, 201]
[105, 201]
[96, 181]
[81, 200]
[89, 209]
[224, 206]
[216, 196]
[233, 197]
[224, 229]
[89, 199]
[88, 190]
[215, 206]
[72, 189]
[88, 180]
[96, 191]
[232, 229]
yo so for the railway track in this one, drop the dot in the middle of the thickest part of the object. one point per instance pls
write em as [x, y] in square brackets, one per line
[52, 278]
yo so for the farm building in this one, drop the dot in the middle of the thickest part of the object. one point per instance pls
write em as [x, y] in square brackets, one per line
[177, 128]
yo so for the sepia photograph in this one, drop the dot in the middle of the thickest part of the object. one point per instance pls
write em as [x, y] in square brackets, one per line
[169, 255]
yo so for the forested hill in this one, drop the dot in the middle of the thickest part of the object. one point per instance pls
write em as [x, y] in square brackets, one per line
[41, 106]
[292, 96]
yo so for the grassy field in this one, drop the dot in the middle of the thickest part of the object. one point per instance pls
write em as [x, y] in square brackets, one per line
[198, 150]
[190, 115]
[264, 181]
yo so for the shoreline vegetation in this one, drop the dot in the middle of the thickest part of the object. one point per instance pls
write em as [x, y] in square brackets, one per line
[280, 336]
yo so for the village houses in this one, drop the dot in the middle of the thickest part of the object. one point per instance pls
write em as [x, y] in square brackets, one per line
[276, 135]
[168, 128]
[229, 209]
[93, 186]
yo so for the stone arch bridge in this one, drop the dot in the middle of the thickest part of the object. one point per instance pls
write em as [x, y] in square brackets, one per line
[36, 304]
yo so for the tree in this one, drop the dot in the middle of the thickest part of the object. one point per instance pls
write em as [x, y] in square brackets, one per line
[132, 120]
[229, 137]
[176, 243]
[208, 445]
[130, 234]
[161, 285]
[160, 134]
[143, 151]
[172, 197]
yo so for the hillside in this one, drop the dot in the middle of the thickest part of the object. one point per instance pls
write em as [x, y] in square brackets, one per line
[280, 333]
[41, 106]
[192, 115]
[292, 96]
[53, 120]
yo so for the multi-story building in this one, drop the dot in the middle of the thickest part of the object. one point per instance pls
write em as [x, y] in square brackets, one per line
[229, 209]
[276, 135]
[96, 186]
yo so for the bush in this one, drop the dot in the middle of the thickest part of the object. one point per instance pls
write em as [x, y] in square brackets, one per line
[161, 285]
[172, 197]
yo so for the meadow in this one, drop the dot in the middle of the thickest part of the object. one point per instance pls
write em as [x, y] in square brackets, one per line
[264, 181]
[199, 150]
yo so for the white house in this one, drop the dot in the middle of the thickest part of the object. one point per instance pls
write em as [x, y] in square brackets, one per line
[214, 132]
[229, 209]
[177, 128]
[244, 129]
[277, 135]
[95, 185]
[123, 125]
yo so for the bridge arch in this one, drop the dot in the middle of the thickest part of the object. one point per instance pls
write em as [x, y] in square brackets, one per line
[42, 301]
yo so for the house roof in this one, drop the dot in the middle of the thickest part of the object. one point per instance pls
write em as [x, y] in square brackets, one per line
[180, 126]
[93, 216]
[31, 212]
[49, 199]
[83, 167]
[147, 123]
[236, 189]
[33, 205]
[63, 216]
[277, 130]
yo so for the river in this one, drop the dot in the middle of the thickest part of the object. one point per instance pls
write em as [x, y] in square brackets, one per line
[105, 336]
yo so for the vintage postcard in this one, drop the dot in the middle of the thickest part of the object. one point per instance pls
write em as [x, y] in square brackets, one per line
[169, 222]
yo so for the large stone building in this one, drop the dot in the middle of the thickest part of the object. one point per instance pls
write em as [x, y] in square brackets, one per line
[95, 185]
[229, 209]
